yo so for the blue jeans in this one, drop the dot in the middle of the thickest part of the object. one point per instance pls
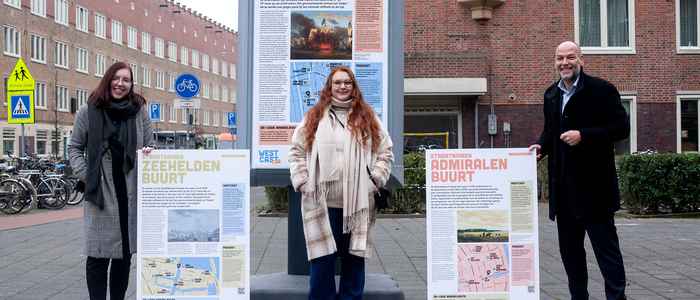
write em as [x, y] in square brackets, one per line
[352, 273]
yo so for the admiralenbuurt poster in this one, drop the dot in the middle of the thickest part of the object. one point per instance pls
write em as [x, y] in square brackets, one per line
[482, 224]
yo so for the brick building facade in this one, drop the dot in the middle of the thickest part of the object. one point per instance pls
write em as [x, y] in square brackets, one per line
[502, 66]
[68, 45]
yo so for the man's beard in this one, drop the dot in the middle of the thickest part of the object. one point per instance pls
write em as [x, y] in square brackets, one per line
[575, 72]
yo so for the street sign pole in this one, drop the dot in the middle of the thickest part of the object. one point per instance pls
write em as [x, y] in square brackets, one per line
[21, 142]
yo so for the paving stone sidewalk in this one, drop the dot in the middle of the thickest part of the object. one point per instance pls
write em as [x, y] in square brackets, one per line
[662, 257]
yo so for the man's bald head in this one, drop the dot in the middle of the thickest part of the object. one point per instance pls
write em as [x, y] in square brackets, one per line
[569, 45]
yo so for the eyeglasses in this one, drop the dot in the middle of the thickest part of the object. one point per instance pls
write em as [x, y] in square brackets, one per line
[339, 82]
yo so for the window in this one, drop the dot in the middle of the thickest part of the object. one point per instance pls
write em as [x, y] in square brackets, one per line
[171, 82]
[443, 119]
[172, 51]
[160, 48]
[61, 11]
[224, 94]
[81, 18]
[13, 41]
[62, 98]
[629, 145]
[100, 27]
[41, 138]
[215, 92]
[146, 42]
[40, 95]
[687, 26]
[8, 140]
[215, 118]
[687, 115]
[224, 69]
[146, 76]
[160, 80]
[184, 115]
[14, 3]
[81, 61]
[173, 114]
[135, 73]
[116, 32]
[82, 97]
[131, 35]
[215, 66]
[605, 26]
[206, 117]
[99, 64]
[195, 59]
[61, 55]
[205, 62]
[232, 94]
[38, 48]
[184, 54]
[232, 72]
[38, 7]
[205, 90]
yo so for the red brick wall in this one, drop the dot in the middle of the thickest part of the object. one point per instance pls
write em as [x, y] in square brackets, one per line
[514, 51]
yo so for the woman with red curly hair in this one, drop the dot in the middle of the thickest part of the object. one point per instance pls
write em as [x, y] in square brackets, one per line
[339, 152]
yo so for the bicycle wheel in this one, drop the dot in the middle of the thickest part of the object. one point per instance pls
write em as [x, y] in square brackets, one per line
[30, 191]
[53, 193]
[12, 195]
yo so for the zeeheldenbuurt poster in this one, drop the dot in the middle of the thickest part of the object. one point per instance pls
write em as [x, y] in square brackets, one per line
[193, 225]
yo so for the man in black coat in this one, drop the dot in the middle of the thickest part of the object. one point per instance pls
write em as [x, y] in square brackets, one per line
[583, 119]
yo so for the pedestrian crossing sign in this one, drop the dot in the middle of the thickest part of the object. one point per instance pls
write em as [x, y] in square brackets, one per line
[20, 95]
[20, 110]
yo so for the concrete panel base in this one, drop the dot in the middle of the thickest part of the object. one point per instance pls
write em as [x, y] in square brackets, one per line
[296, 287]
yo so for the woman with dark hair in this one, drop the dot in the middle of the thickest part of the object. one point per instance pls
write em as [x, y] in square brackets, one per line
[107, 133]
[340, 155]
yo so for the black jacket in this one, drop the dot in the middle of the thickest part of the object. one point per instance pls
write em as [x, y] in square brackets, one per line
[582, 178]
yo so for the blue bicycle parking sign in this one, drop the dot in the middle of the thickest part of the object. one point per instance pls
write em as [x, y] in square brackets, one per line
[186, 86]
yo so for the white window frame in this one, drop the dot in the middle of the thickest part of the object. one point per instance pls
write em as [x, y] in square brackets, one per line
[173, 113]
[205, 118]
[100, 64]
[604, 49]
[82, 97]
[159, 48]
[686, 49]
[171, 82]
[205, 62]
[205, 90]
[184, 55]
[135, 73]
[13, 43]
[195, 59]
[146, 42]
[132, 37]
[232, 94]
[61, 54]
[40, 100]
[117, 34]
[633, 120]
[215, 66]
[13, 3]
[38, 48]
[232, 72]
[172, 51]
[145, 76]
[82, 17]
[184, 116]
[39, 8]
[160, 80]
[62, 98]
[100, 26]
[224, 69]
[695, 95]
[82, 63]
[60, 8]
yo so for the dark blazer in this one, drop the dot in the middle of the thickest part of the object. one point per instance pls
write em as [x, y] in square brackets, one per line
[582, 178]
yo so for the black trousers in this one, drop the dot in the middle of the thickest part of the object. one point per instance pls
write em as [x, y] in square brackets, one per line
[96, 275]
[606, 246]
